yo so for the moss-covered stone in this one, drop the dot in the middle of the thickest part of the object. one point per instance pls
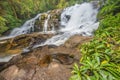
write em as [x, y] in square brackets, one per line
[52, 22]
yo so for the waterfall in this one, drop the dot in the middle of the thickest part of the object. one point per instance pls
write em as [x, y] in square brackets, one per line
[46, 24]
[78, 19]
[27, 27]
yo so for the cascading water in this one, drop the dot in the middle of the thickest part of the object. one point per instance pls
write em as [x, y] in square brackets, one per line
[6, 58]
[46, 24]
[27, 27]
[78, 19]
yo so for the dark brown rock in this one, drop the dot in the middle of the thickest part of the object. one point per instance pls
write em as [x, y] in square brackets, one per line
[63, 58]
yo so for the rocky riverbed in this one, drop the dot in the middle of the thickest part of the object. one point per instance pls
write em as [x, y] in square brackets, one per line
[47, 62]
[47, 46]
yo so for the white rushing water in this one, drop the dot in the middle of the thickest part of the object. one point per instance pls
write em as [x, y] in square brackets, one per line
[27, 27]
[46, 24]
[78, 19]
[6, 58]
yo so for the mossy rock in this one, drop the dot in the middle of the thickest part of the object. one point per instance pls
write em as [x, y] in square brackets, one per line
[43, 16]
[21, 41]
[5, 45]
[17, 44]
[53, 20]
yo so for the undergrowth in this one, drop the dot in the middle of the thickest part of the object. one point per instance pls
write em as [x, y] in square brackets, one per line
[101, 56]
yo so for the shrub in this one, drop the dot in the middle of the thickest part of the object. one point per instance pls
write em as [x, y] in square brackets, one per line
[101, 56]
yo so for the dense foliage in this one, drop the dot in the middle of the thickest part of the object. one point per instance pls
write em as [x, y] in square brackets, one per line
[14, 12]
[101, 56]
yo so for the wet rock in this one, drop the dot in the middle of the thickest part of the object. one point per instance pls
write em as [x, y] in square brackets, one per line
[63, 58]
[13, 61]
[53, 22]
[96, 4]
[68, 17]
[52, 46]
[4, 45]
[48, 62]
[2, 63]
[17, 44]
[76, 40]
[45, 61]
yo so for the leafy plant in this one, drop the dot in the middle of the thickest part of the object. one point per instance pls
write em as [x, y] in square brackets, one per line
[3, 27]
[101, 56]
[95, 70]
